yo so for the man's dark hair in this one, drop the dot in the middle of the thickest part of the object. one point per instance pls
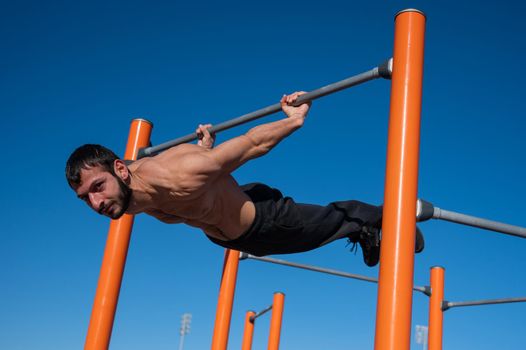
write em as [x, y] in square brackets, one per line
[87, 156]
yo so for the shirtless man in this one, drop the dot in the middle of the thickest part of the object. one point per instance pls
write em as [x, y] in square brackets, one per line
[192, 184]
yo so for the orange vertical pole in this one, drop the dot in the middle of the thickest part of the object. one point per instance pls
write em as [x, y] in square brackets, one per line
[436, 315]
[226, 300]
[110, 278]
[249, 331]
[393, 317]
[275, 321]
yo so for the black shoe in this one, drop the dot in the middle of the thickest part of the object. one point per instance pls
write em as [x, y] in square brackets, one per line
[369, 240]
[419, 241]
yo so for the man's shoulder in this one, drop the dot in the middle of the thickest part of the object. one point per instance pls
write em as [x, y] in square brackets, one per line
[170, 163]
[182, 149]
[166, 157]
[147, 169]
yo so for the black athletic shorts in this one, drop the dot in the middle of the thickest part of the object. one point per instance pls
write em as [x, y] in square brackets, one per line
[282, 226]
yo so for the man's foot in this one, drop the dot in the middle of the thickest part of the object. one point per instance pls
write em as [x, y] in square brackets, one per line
[419, 241]
[369, 240]
[370, 243]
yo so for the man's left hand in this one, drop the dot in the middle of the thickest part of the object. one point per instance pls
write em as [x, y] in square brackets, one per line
[205, 138]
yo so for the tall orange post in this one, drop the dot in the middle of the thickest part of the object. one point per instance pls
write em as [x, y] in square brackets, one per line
[436, 315]
[393, 318]
[248, 333]
[226, 300]
[278, 304]
[110, 278]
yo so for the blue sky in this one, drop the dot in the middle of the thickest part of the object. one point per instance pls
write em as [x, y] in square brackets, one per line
[74, 73]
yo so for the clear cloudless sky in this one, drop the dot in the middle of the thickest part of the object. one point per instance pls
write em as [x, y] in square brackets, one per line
[79, 72]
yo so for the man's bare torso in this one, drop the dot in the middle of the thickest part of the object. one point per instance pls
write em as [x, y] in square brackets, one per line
[177, 191]
[192, 184]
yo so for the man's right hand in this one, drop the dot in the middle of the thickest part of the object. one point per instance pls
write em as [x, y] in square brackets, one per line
[291, 111]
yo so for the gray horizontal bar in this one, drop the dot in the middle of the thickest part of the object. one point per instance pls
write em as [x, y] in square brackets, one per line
[458, 218]
[426, 290]
[446, 305]
[262, 312]
[383, 71]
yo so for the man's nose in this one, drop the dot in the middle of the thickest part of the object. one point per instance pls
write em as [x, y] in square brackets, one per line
[96, 201]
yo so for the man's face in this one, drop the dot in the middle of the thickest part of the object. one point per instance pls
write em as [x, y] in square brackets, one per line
[104, 192]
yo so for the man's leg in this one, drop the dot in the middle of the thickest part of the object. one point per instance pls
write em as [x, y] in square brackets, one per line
[361, 224]
[289, 227]
[285, 226]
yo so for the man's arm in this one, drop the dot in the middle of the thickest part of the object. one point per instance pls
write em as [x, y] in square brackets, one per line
[189, 169]
[259, 140]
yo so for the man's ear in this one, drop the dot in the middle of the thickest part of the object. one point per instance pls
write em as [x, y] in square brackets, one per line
[121, 170]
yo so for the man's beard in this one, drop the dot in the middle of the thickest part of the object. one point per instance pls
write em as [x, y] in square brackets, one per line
[124, 198]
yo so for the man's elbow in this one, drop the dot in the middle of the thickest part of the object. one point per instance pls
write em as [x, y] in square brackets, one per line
[258, 146]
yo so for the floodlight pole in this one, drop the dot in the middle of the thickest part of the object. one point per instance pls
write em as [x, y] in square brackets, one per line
[186, 319]
[181, 342]
[421, 333]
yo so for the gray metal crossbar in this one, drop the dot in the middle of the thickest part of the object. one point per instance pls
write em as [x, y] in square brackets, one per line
[446, 305]
[426, 211]
[425, 289]
[382, 71]
[262, 312]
